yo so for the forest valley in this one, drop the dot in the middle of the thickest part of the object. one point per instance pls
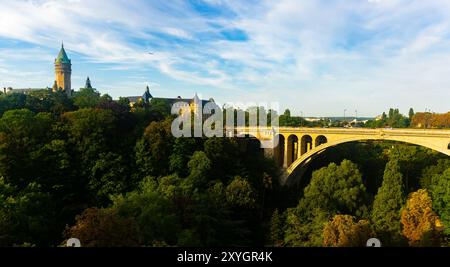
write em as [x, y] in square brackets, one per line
[92, 168]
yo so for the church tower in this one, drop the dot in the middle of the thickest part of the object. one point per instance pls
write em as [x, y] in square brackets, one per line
[88, 83]
[63, 72]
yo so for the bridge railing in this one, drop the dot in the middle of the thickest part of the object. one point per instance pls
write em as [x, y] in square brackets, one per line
[381, 131]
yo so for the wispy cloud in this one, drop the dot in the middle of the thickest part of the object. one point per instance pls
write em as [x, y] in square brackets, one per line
[367, 55]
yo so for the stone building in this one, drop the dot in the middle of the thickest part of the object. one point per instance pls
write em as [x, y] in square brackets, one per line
[63, 79]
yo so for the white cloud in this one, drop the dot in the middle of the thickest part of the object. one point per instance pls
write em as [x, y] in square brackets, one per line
[296, 52]
[178, 33]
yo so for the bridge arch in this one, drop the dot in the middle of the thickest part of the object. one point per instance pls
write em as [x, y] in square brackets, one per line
[292, 149]
[320, 140]
[278, 151]
[304, 159]
[306, 144]
[313, 141]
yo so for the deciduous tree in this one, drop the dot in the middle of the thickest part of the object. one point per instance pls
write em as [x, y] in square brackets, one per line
[440, 191]
[388, 204]
[104, 228]
[343, 231]
[421, 225]
[154, 148]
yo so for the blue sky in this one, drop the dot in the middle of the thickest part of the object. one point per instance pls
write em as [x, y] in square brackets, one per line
[312, 56]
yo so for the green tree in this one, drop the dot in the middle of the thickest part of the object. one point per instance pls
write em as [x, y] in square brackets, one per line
[48, 101]
[303, 231]
[160, 106]
[108, 176]
[388, 204]
[153, 212]
[276, 229]
[7, 225]
[183, 149]
[90, 131]
[216, 222]
[21, 134]
[12, 101]
[336, 189]
[239, 193]
[86, 98]
[440, 192]
[154, 148]
[393, 119]
[391, 113]
[412, 161]
[92, 142]
[426, 180]
[124, 101]
[26, 215]
[223, 153]
[200, 169]
[411, 114]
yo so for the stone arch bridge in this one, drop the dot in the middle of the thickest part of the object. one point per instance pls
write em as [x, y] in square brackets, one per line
[296, 147]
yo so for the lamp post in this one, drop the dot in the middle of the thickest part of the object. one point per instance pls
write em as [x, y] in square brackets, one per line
[345, 110]
[446, 120]
[431, 118]
[301, 115]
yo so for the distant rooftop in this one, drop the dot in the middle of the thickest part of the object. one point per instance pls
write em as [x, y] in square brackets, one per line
[22, 90]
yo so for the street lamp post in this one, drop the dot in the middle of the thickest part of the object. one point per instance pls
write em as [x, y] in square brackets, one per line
[431, 118]
[345, 110]
[301, 115]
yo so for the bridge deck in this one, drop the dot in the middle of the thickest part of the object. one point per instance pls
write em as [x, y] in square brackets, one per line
[358, 131]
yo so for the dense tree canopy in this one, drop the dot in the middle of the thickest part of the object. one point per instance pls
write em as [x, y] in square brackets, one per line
[388, 204]
[393, 119]
[336, 189]
[110, 174]
[440, 192]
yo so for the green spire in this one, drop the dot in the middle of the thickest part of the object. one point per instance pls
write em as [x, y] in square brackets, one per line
[62, 56]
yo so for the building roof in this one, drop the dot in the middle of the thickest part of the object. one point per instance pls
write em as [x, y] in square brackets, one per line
[171, 101]
[24, 90]
[147, 97]
[133, 99]
[62, 56]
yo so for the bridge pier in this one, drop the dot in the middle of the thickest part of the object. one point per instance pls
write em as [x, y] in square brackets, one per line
[306, 144]
[291, 149]
[285, 153]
